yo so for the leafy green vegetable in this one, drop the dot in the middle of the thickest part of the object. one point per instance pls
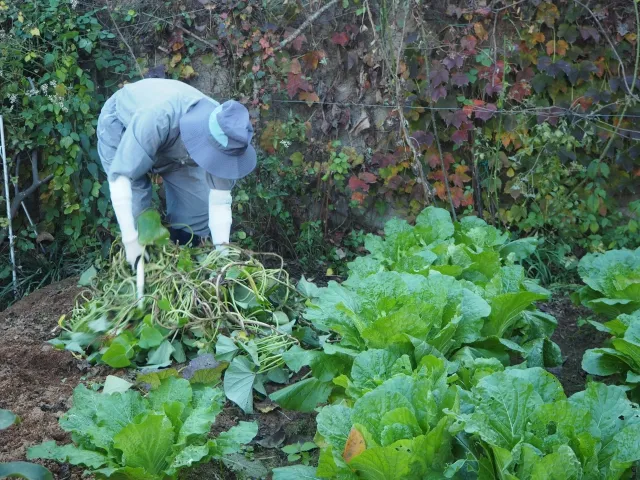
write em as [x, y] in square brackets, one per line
[30, 471]
[436, 288]
[150, 229]
[127, 435]
[401, 424]
[523, 416]
[7, 418]
[612, 282]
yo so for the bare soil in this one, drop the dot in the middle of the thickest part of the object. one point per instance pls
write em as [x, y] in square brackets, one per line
[572, 340]
[36, 381]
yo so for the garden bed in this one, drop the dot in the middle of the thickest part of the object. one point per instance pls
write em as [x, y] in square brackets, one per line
[37, 382]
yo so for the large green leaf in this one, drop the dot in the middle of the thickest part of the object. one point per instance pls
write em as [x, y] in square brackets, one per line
[505, 309]
[113, 384]
[119, 353]
[7, 418]
[604, 362]
[521, 249]
[561, 465]
[206, 406]
[150, 337]
[627, 448]
[147, 444]
[371, 407]
[99, 417]
[231, 441]
[398, 424]
[615, 274]
[188, 456]
[610, 412]
[238, 383]
[171, 390]
[436, 223]
[544, 383]
[67, 454]
[372, 367]
[295, 472]
[303, 396]
[382, 463]
[150, 229]
[118, 410]
[160, 356]
[334, 424]
[30, 471]
[504, 404]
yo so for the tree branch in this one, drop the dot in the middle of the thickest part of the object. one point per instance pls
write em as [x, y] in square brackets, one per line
[305, 24]
[20, 197]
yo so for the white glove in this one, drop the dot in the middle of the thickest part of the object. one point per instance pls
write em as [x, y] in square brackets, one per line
[133, 251]
[121, 197]
[220, 218]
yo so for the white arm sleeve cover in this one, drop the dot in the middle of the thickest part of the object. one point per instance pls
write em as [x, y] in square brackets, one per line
[220, 216]
[121, 198]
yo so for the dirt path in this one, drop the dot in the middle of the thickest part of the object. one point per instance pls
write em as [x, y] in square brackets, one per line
[36, 381]
[573, 341]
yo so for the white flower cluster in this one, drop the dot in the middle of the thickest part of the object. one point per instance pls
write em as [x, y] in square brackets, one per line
[74, 4]
[53, 83]
[32, 93]
[59, 101]
[44, 88]
[576, 167]
[13, 98]
[285, 143]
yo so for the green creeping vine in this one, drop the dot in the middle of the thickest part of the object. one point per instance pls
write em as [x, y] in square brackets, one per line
[196, 299]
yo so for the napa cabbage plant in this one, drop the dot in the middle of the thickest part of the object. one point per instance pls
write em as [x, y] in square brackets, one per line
[620, 356]
[520, 424]
[144, 437]
[451, 291]
[612, 282]
[514, 423]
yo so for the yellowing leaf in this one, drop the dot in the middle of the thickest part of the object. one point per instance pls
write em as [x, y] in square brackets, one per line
[296, 159]
[175, 60]
[20, 17]
[187, 72]
[35, 32]
[559, 47]
[548, 13]
[309, 97]
[537, 38]
[61, 90]
[480, 31]
[355, 445]
[295, 67]
[329, 272]
[511, 172]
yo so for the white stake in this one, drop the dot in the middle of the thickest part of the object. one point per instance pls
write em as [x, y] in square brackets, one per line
[5, 169]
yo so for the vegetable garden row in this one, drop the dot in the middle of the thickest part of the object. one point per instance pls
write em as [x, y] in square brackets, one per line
[429, 361]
